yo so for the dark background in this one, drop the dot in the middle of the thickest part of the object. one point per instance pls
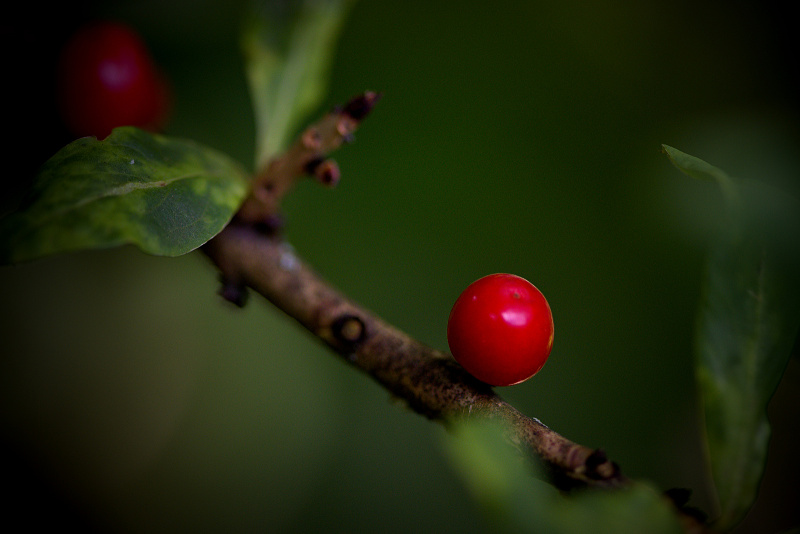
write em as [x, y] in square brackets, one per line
[520, 137]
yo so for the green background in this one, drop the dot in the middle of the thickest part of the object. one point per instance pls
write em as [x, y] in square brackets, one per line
[516, 137]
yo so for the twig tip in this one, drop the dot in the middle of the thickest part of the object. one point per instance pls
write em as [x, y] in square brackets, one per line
[360, 106]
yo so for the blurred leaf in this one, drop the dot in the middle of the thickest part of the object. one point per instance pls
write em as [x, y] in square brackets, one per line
[516, 501]
[747, 324]
[167, 196]
[288, 48]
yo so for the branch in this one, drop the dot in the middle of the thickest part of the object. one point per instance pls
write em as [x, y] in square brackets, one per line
[251, 253]
[430, 382]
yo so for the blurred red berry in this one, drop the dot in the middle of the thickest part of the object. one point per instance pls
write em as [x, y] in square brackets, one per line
[107, 78]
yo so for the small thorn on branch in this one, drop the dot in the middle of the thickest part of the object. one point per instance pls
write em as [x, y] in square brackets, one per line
[326, 171]
[234, 292]
[360, 106]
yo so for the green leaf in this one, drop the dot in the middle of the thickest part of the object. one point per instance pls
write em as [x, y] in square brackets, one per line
[747, 323]
[167, 196]
[288, 48]
[506, 487]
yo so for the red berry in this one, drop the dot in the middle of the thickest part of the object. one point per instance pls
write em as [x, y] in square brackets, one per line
[501, 329]
[107, 78]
